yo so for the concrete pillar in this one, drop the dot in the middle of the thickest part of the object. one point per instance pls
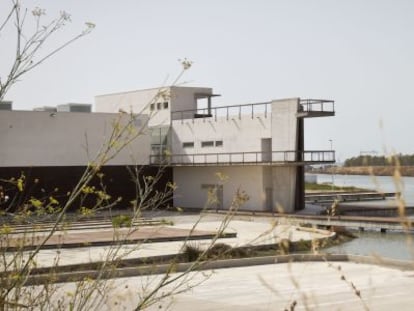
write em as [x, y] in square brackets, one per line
[285, 137]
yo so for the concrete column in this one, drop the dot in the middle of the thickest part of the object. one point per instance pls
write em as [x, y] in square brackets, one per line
[284, 131]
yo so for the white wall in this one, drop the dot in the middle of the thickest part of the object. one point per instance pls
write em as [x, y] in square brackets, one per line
[183, 98]
[284, 188]
[284, 125]
[190, 193]
[238, 135]
[284, 138]
[139, 101]
[35, 138]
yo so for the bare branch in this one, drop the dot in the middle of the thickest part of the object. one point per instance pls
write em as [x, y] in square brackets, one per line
[8, 16]
[28, 47]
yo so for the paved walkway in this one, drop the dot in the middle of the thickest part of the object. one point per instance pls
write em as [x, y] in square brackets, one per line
[250, 231]
[307, 285]
[103, 237]
[311, 285]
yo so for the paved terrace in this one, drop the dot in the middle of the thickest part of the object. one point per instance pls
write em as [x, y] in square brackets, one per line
[276, 285]
[242, 231]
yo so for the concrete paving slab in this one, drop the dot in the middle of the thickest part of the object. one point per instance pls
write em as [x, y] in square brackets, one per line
[250, 231]
[311, 285]
[142, 234]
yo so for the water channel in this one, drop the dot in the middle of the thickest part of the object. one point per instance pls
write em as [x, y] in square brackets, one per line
[394, 245]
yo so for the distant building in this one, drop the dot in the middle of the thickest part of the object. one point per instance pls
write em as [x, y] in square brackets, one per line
[258, 147]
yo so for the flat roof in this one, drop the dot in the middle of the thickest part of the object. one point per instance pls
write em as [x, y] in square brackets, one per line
[154, 88]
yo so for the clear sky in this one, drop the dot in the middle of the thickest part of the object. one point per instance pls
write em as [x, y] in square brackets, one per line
[356, 52]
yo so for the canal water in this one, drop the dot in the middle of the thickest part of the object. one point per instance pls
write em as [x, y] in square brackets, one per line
[379, 183]
[391, 244]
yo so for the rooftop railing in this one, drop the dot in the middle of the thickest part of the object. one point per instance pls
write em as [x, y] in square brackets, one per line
[316, 107]
[225, 111]
[248, 158]
[308, 107]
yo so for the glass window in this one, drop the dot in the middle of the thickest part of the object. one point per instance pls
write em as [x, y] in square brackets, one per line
[165, 105]
[209, 143]
[158, 106]
[188, 145]
[219, 143]
[152, 106]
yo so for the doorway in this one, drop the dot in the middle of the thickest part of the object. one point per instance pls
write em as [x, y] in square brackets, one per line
[266, 149]
[269, 199]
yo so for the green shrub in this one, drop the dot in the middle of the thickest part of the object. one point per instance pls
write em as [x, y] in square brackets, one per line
[121, 221]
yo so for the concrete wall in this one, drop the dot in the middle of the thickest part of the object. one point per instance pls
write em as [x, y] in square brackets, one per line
[137, 102]
[35, 138]
[284, 138]
[178, 98]
[271, 188]
[192, 194]
[284, 188]
[58, 139]
[284, 124]
[238, 135]
[183, 98]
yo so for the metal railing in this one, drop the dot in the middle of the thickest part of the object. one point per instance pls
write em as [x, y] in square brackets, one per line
[233, 158]
[321, 106]
[225, 111]
[317, 105]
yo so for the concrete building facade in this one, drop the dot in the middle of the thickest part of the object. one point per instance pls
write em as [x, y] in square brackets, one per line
[257, 148]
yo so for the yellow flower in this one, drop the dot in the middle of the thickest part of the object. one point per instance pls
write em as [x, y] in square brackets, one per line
[20, 184]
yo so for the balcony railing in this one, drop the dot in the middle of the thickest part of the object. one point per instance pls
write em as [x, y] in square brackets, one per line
[237, 158]
[225, 111]
[308, 108]
[316, 108]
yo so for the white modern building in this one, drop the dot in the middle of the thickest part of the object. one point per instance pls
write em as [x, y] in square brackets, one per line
[257, 148]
